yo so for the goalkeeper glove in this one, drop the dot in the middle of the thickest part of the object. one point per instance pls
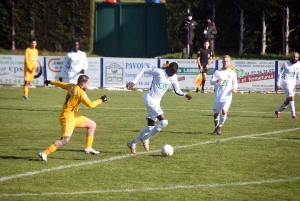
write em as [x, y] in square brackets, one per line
[103, 98]
[47, 82]
[82, 71]
[60, 79]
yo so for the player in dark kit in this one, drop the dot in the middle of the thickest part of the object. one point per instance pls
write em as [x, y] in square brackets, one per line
[204, 59]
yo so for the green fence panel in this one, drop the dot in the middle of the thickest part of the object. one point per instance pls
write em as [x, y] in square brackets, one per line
[131, 30]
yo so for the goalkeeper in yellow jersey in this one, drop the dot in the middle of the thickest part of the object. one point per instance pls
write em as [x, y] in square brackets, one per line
[30, 65]
[69, 118]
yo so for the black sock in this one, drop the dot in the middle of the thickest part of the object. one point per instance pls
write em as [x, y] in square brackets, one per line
[203, 83]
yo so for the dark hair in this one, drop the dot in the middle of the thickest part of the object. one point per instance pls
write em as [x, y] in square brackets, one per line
[173, 64]
[82, 79]
[31, 40]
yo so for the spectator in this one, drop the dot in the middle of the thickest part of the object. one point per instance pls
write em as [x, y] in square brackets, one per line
[209, 31]
[187, 27]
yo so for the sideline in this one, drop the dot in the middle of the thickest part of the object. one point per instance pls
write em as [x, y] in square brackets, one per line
[2, 179]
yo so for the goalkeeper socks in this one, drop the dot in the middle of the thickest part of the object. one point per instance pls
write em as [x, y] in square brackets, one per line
[89, 141]
[144, 132]
[52, 148]
[26, 89]
[222, 119]
[292, 108]
[282, 107]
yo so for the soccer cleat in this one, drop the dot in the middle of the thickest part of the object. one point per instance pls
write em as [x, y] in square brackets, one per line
[218, 129]
[43, 156]
[197, 90]
[146, 144]
[25, 98]
[295, 117]
[91, 151]
[277, 114]
[215, 131]
[131, 147]
[202, 91]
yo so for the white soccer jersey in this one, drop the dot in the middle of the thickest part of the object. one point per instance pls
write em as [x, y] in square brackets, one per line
[289, 73]
[160, 83]
[76, 61]
[223, 89]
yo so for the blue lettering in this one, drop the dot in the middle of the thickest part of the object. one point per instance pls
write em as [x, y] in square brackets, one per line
[137, 65]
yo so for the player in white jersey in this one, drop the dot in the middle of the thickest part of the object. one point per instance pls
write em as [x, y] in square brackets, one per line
[225, 82]
[76, 62]
[288, 74]
[162, 80]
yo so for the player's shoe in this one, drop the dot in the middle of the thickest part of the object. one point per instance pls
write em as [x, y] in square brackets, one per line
[43, 156]
[25, 98]
[146, 144]
[131, 147]
[218, 129]
[215, 131]
[202, 90]
[295, 117]
[197, 90]
[91, 151]
[277, 114]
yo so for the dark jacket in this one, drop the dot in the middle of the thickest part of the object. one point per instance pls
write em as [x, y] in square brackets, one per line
[187, 28]
[211, 31]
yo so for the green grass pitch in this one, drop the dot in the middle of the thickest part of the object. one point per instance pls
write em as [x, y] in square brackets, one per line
[256, 157]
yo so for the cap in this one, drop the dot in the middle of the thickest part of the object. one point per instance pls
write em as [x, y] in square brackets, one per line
[190, 14]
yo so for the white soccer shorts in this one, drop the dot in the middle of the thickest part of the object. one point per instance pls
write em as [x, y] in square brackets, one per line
[289, 89]
[219, 106]
[153, 109]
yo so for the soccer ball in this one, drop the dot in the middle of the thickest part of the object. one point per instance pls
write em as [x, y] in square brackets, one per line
[167, 150]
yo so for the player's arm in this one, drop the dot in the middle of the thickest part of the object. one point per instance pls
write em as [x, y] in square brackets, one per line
[138, 76]
[28, 64]
[85, 64]
[279, 77]
[87, 102]
[177, 89]
[215, 79]
[65, 63]
[57, 83]
[210, 59]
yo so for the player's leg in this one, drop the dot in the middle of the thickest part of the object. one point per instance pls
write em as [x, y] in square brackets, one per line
[67, 128]
[291, 93]
[90, 125]
[223, 116]
[204, 76]
[285, 104]
[27, 81]
[217, 108]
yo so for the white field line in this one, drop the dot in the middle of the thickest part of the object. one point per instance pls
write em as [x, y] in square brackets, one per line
[156, 188]
[5, 178]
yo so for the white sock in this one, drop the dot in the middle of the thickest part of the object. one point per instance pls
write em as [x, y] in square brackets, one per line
[144, 132]
[292, 108]
[282, 107]
[222, 119]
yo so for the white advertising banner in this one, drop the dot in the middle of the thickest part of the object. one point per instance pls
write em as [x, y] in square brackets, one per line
[119, 71]
[54, 66]
[254, 75]
[12, 71]
[187, 72]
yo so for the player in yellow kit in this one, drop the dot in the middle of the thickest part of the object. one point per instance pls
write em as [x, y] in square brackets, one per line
[69, 118]
[30, 65]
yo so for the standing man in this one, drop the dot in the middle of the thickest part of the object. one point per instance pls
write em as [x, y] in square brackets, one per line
[204, 59]
[162, 80]
[225, 82]
[76, 62]
[69, 118]
[209, 31]
[187, 27]
[30, 65]
[288, 74]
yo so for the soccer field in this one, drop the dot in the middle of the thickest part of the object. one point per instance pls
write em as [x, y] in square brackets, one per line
[256, 157]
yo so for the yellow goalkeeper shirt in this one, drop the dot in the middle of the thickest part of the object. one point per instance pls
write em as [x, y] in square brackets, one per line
[31, 58]
[75, 96]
